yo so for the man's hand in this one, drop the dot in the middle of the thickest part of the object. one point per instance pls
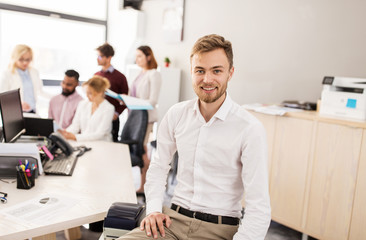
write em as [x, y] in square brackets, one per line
[154, 222]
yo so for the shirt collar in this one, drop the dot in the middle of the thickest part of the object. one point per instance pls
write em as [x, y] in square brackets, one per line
[223, 110]
[20, 71]
[110, 69]
[71, 96]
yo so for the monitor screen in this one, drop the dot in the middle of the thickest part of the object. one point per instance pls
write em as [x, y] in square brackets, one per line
[11, 115]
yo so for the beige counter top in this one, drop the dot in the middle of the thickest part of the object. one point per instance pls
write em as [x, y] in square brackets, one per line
[313, 115]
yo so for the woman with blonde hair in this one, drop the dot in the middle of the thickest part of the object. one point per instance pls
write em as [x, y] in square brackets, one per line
[93, 117]
[21, 75]
[147, 86]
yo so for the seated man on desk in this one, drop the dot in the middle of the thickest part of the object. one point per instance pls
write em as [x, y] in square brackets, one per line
[63, 106]
[222, 155]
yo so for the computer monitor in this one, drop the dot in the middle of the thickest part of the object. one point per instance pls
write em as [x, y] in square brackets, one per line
[11, 115]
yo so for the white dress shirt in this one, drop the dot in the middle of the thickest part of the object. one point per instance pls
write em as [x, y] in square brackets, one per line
[219, 160]
[29, 98]
[90, 127]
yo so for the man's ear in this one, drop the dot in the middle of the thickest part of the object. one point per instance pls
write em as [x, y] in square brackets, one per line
[231, 72]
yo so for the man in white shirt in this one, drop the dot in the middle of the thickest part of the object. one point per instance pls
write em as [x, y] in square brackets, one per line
[222, 155]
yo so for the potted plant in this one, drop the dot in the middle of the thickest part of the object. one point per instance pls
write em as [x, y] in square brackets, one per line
[166, 61]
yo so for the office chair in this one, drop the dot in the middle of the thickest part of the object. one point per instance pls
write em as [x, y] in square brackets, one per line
[133, 134]
[172, 176]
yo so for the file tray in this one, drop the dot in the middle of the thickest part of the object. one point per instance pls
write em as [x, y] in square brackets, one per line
[121, 218]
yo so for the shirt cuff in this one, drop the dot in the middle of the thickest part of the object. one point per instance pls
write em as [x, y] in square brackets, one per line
[154, 205]
[78, 137]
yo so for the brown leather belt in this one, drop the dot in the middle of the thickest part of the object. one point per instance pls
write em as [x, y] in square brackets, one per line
[206, 216]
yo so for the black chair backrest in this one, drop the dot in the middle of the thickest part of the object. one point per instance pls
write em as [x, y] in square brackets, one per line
[134, 130]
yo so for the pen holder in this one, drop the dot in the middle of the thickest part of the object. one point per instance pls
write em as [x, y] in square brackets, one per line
[24, 181]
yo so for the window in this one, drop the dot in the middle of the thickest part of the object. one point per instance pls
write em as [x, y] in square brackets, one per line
[58, 44]
[96, 9]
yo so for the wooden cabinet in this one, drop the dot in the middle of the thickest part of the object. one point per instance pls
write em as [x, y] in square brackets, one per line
[333, 181]
[290, 161]
[317, 174]
[269, 123]
[358, 222]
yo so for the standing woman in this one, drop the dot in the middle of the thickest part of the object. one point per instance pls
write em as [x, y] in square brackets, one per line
[21, 75]
[93, 117]
[147, 86]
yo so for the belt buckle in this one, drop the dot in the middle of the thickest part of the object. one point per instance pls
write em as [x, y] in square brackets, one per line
[194, 215]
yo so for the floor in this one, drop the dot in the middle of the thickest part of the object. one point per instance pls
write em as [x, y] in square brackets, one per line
[276, 231]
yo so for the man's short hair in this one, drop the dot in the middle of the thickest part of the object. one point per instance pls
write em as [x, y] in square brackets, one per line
[106, 50]
[72, 73]
[212, 42]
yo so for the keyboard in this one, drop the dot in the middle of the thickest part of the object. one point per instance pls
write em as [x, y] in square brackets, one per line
[62, 165]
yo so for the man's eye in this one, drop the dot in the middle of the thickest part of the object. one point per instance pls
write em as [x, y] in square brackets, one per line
[200, 71]
[217, 71]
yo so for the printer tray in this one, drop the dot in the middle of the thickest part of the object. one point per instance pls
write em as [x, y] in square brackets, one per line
[8, 164]
[121, 218]
[125, 210]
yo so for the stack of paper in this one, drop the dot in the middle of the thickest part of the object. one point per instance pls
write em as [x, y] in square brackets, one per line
[270, 109]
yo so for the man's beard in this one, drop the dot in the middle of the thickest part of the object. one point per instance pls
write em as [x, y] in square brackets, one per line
[67, 93]
[209, 98]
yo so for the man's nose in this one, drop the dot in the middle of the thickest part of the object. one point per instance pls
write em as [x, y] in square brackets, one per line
[207, 78]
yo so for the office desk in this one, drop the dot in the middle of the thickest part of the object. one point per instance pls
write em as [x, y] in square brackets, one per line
[101, 177]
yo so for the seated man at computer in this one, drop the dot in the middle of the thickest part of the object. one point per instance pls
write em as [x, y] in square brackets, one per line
[63, 106]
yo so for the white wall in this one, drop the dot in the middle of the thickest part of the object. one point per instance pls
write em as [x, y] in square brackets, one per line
[282, 49]
[125, 33]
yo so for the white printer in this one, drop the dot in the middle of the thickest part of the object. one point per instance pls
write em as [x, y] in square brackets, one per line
[344, 97]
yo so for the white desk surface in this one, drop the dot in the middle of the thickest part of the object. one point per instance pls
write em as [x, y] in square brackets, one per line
[101, 176]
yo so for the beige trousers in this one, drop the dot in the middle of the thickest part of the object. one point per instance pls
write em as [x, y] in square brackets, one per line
[183, 227]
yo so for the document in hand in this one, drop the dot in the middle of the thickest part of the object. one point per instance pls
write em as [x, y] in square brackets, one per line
[132, 103]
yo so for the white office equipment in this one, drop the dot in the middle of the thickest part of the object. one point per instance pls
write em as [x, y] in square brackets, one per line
[21, 150]
[344, 97]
